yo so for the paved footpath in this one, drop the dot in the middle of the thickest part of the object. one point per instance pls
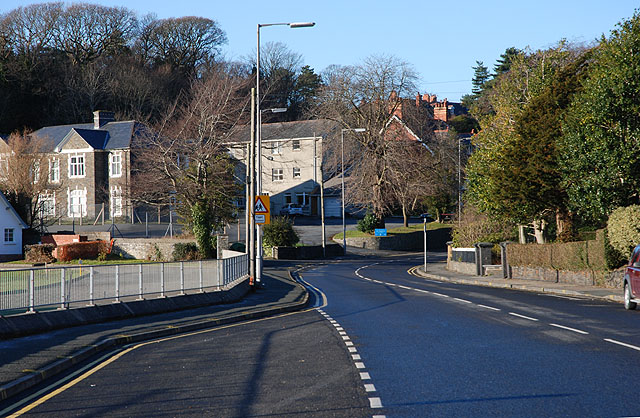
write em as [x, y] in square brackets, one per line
[26, 361]
[438, 271]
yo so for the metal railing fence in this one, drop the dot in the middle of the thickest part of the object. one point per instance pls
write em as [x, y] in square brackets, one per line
[64, 287]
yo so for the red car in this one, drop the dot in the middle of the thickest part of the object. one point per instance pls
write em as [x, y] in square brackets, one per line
[632, 281]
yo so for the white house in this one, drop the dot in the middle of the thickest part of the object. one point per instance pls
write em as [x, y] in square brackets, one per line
[11, 226]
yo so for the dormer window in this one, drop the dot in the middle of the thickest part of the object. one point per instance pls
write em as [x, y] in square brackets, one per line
[76, 165]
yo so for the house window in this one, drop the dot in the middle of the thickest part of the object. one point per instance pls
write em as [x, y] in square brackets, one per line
[277, 174]
[54, 170]
[35, 172]
[115, 165]
[8, 236]
[295, 145]
[287, 198]
[76, 165]
[116, 201]
[77, 206]
[4, 167]
[47, 205]
[276, 147]
[296, 172]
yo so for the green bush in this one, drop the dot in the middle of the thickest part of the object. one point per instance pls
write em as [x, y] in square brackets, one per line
[624, 229]
[369, 223]
[279, 233]
[475, 227]
[185, 251]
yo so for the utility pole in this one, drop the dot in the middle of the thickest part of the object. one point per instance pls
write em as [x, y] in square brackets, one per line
[252, 191]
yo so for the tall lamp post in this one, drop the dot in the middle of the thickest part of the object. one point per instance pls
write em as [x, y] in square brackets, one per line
[258, 131]
[344, 225]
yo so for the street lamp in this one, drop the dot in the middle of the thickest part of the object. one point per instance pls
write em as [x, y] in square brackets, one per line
[258, 131]
[344, 226]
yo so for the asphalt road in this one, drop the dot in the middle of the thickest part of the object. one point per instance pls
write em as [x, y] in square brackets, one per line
[382, 342]
[438, 349]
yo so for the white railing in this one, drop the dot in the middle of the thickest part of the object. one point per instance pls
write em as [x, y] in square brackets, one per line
[65, 287]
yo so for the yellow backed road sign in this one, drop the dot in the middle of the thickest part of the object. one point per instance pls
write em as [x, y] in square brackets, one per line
[261, 210]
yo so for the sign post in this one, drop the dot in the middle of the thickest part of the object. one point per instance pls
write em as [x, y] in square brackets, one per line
[261, 210]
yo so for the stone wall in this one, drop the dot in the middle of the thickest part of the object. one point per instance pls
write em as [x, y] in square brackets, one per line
[461, 267]
[586, 277]
[157, 249]
[414, 241]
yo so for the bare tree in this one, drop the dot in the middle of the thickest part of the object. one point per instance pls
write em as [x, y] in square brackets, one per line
[24, 174]
[88, 31]
[186, 159]
[366, 96]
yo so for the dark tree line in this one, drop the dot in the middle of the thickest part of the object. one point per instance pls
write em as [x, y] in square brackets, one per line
[60, 62]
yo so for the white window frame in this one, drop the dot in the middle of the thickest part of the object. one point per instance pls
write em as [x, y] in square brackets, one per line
[276, 147]
[277, 174]
[296, 173]
[35, 172]
[48, 209]
[115, 201]
[9, 236]
[115, 164]
[77, 167]
[54, 170]
[80, 194]
[296, 145]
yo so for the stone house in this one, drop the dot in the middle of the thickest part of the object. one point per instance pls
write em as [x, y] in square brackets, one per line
[89, 167]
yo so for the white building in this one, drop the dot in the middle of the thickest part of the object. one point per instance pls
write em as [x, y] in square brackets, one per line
[11, 226]
[292, 157]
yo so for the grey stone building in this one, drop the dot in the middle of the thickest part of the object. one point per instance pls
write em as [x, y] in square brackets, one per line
[89, 167]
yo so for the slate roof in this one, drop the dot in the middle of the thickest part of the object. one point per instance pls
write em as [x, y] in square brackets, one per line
[113, 135]
[290, 130]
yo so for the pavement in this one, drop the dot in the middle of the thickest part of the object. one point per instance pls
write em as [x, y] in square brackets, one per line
[27, 361]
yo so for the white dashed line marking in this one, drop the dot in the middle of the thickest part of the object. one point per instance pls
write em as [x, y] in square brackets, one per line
[348, 343]
[633, 347]
[489, 307]
[352, 349]
[405, 287]
[359, 365]
[365, 376]
[570, 329]
[462, 300]
[522, 316]
[369, 387]
[440, 294]
[356, 357]
[346, 338]
[375, 402]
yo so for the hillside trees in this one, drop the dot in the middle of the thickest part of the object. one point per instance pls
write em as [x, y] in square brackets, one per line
[601, 144]
[59, 63]
[514, 171]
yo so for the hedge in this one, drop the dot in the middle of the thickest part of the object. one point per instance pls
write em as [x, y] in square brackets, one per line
[81, 250]
[568, 256]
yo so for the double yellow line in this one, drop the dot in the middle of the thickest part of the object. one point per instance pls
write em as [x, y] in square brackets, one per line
[129, 349]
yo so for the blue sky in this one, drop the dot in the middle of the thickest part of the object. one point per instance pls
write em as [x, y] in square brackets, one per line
[442, 40]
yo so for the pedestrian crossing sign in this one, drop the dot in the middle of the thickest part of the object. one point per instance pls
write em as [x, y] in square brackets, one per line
[261, 210]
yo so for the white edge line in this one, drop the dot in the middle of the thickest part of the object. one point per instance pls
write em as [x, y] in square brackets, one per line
[489, 307]
[570, 329]
[462, 300]
[522, 316]
[633, 347]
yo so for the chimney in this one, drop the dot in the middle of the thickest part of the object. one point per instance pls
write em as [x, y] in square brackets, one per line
[101, 118]
[418, 100]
